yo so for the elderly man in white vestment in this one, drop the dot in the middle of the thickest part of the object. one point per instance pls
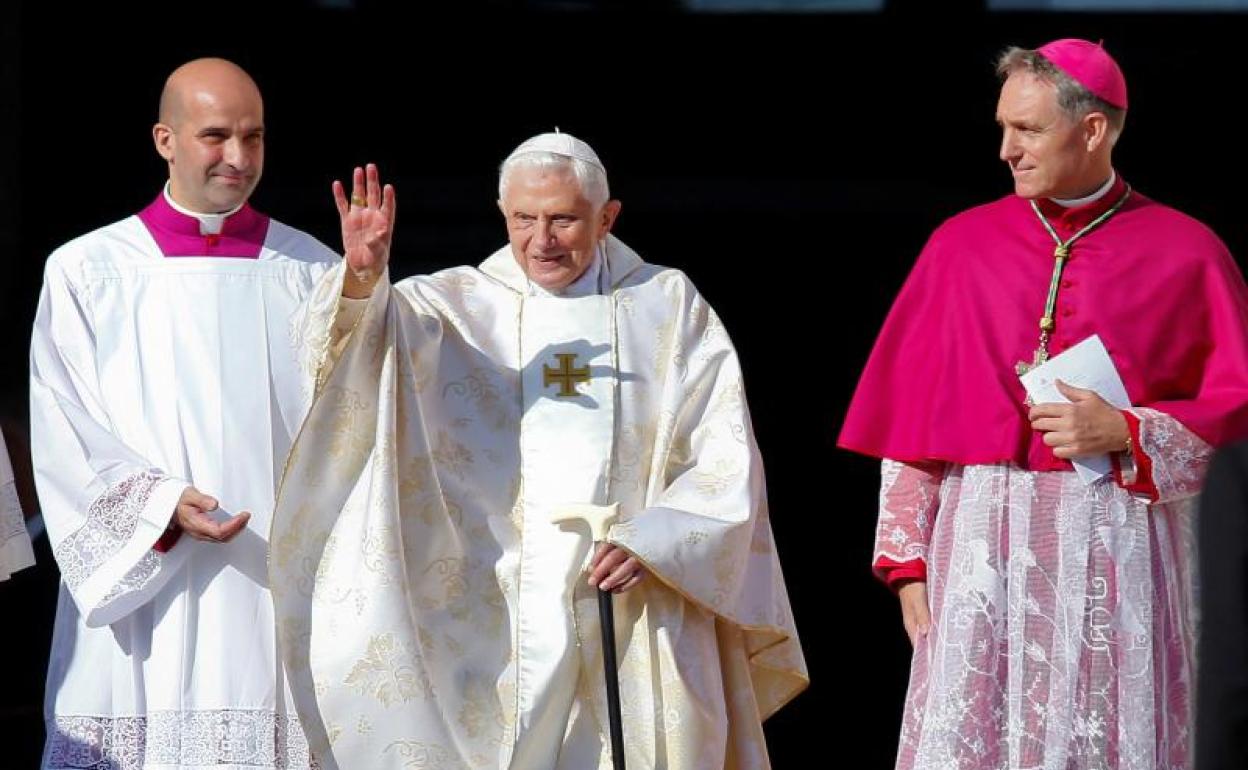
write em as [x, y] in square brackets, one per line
[15, 549]
[430, 611]
[164, 399]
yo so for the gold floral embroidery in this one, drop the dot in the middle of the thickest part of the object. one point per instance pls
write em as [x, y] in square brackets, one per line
[289, 544]
[664, 349]
[389, 672]
[295, 636]
[452, 456]
[726, 568]
[346, 440]
[479, 390]
[718, 478]
[480, 710]
[632, 454]
[730, 400]
[381, 554]
[416, 478]
[454, 582]
[422, 755]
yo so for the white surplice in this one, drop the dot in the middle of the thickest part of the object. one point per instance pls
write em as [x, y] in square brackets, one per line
[430, 612]
[149, 373]
[15, 549]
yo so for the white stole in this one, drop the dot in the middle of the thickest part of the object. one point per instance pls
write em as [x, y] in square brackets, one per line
[567, 435]
[568, 384]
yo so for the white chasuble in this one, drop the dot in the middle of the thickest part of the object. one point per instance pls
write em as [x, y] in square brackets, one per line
[150, 373]
[430, 612]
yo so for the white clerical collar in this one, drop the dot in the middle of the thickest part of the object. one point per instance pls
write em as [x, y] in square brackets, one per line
[209, 224]
[1100, 193]
[584, 286]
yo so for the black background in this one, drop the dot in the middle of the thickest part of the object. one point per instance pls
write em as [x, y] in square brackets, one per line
[792, 165]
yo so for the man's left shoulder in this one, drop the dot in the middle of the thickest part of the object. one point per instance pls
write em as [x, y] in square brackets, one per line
[659, 279]
[1177, 228]
[288, 243]
[449, 282]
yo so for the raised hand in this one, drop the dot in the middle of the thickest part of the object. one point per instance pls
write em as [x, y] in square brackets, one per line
[367, 227]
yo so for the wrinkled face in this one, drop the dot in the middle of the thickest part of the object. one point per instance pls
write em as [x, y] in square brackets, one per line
[552, 227]
[215, 148]
[1047, 151]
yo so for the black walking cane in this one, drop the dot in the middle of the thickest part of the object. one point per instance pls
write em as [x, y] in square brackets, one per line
[606, 620]
[600, 518]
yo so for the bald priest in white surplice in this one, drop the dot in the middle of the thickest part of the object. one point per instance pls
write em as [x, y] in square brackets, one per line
[429, 609]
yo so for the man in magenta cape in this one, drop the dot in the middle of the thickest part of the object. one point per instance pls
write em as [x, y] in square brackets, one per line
[1051, 617]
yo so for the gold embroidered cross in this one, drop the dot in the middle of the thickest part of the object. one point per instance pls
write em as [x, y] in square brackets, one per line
[565, 375]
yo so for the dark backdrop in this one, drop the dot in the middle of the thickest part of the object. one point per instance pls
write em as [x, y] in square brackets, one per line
[791, 165]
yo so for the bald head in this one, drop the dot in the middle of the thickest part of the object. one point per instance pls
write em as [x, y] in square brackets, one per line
[211, 132]
[209, 76]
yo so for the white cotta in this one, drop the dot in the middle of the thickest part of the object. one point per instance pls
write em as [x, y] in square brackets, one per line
[149, 374]
[430, 611]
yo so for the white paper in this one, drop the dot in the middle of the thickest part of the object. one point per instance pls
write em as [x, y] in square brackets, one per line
[1086, 365]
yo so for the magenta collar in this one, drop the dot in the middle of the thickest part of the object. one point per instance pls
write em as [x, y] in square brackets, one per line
[177, 234]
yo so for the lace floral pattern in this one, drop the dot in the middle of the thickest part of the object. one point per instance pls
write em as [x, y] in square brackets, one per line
[12, 523]
[1061, 632]
[246, 738]
[1179, 457]
[111, 521]
[909, 493]
[136, 579]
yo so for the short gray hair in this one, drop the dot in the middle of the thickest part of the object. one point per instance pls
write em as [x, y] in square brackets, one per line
[1073, 99]
[591, 178]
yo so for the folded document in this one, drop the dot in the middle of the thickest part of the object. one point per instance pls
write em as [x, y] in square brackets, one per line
[1086, 365]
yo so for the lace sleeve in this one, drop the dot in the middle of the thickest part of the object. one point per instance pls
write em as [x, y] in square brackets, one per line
[1172, 457]
[909, 497]
[104, 504]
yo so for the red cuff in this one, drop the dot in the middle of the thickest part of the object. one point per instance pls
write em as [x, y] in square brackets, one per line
[1143, 483]
[894, 573]
[168, 539]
